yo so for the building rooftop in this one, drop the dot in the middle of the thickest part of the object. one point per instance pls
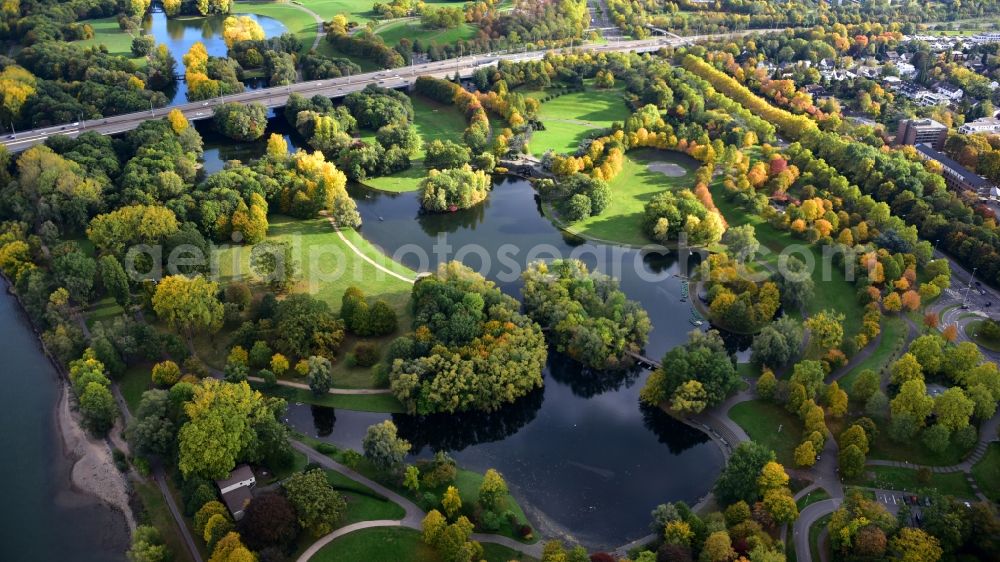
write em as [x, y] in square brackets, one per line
[237, 500]
[972, 179]
[239, 474]
[928, 123]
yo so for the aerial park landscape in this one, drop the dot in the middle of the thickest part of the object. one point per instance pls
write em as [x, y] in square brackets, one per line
[534, 280]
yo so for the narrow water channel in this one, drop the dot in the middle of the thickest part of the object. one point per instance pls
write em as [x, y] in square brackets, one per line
[43, 519]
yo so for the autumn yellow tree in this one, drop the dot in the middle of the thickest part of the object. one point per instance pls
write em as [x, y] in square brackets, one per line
[241, 28]
[188, 304]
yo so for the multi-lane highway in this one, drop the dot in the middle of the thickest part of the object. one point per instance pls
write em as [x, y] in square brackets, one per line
[332, 88]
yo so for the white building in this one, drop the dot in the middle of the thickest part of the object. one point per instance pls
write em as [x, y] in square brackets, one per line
[981, 125]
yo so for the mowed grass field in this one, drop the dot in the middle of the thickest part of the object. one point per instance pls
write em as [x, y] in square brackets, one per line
[357, 10]
[771, 425]
[432, 121]
[107, 33]
[398, 545]
[326, 265]
[621, 222]
[570, 117]
[411, 29]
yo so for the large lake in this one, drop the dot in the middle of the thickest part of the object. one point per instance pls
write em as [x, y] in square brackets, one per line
[582, 455]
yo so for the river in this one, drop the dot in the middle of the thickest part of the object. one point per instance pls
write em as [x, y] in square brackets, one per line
[43, 518]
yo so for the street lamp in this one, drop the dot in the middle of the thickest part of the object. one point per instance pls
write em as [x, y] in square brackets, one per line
[964, 298]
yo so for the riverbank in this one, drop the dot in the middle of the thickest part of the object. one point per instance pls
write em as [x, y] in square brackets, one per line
[57, 518]
[94, 471]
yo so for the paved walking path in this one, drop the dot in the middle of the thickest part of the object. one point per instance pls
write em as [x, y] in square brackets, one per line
[342, 391]
[808, 516]
[411, 520]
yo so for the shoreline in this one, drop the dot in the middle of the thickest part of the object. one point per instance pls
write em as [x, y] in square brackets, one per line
[91, 468]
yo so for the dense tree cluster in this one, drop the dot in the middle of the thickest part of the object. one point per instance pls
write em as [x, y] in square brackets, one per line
[470, 350]
[704, 361]
[454, 189]
[587, 316]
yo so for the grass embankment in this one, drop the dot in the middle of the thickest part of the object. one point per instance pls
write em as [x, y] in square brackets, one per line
[432, 121]
[905, 480]
[399, 545]
[770, 425]
[295, 19]
[569, 118]
[832, 290]
[467, 482]
[987, 472]
[157, 514]
[363, 503]
[814, 532]
[894, 332]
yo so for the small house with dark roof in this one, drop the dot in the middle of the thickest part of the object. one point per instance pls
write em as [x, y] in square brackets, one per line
[236, 490]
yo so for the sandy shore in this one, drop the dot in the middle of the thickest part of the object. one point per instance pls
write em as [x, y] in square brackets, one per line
[94, 470]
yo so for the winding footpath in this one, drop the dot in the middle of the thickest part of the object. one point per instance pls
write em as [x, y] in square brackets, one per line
[413, 515]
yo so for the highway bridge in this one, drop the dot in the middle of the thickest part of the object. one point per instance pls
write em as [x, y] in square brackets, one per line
[333, 88]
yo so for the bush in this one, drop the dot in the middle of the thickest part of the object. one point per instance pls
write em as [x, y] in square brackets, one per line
[166, 373]
[270, 380]
[366, 354]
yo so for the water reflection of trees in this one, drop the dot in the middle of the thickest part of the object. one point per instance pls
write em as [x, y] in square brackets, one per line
[676, 435]
[435, 223]
[454, 432]
[587, 383]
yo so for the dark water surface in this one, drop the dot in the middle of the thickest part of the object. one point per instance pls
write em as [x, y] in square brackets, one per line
[43, 519]
[584, 457]
[181, 33]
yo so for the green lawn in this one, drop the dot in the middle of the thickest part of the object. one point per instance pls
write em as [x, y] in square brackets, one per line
[327, 266]
[432, 121]
[894, 331]
[360, 402]
[133, 382]
[812, 497]
[411, 29]
[295, 19]
[396, 544]
[621, 222]
[832, 290]
[987, 472]
[157, 514]
[356, 10]
[105, 309]
[761, 420]
[363, 504]
[107, 32]
[905, 480]
[569, 117]
[972, 330]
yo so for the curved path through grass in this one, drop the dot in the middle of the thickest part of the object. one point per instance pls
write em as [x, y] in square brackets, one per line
[412, 518]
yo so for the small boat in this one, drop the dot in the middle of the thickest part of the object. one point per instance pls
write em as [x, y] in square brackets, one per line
[696, 322]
